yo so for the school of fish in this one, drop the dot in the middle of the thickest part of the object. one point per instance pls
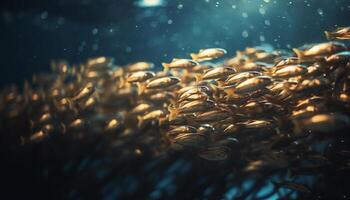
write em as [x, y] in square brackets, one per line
[264, 106]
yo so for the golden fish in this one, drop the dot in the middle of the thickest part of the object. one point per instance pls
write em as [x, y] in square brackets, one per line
[158, 83]
[212, 116]
[324, 122]
[190, 107]
[249, 85]
[140, 76]
[87, 91]
[153, 115]
[239, 77]
[339, 58]
[112, 125]
[341, 33]
[208, 54]
[139, 66]
[215, 73]
[141, 108]
[181, 129]
[177, 63]
[320, 50]
[289, 71]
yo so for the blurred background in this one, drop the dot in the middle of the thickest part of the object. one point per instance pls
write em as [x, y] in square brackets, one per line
[33, 32]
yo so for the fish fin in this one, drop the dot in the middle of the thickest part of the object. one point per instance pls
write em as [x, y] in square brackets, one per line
[166, 66]
[140, 121]
[198, 77]
[140, 88]
[239, 54]
[220, 83]
[194, 56]
[329, 35]
[298, 52]
[230, 92]
[173, 113]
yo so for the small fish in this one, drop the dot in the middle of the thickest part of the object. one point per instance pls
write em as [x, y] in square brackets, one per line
[87, 91]
[288, 61]
[184, 93]
[112, 125]
[100, 62]
[205, 128]
[293, 186]
[253, 66]
[231, 128]
[208, 54]
[341, 33]
[139, 66]
[212, 116]
[190, 107]
[177, 63]
[215, 73]
[289, 71]
[195, 97]
[158, 83]
[191, 139]
[239, 77]
[256, 124]
[339, 58]
[140, 76]
[249, 85]
[323, 122]
[320, 50]
[77, 124]
[153, 115]
[141, 108]
[181, 129]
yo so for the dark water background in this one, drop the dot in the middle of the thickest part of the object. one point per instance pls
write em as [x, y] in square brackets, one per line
[33, 31]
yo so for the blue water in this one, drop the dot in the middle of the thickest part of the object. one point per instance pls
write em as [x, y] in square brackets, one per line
[155, 30]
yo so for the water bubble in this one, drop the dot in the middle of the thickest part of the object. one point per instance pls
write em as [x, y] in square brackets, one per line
[244, 15]
[245, 34]
[234, 6]
[267, 22]
[267, 1]
[262, 38]
[180, 6]
[94, 31]
[170, 21]
[262, 11]
[320, 12]
[44, 15]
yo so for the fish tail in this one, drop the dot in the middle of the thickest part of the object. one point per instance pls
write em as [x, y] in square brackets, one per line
[166, 66]
[194, 56]
[140, 88]
[298, 52]
[329, 35]
[198, 78]
[140, 121]
[173, 113]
